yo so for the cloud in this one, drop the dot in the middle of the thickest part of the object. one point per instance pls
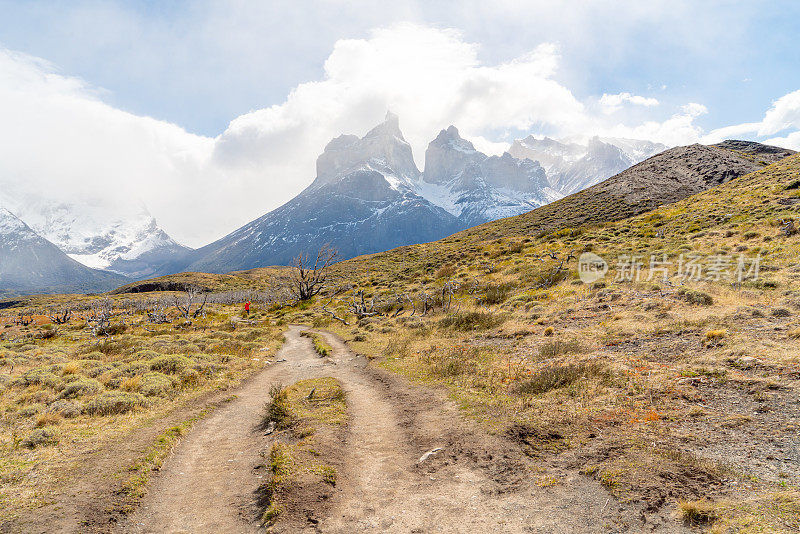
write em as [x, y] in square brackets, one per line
[60, 138]
[613, 103]
[782, 116]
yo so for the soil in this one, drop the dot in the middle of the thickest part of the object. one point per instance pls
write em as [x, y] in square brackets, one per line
[474, 482]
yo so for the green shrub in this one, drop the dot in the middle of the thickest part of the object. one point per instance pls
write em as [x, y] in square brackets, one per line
[170, 363]
[466, 321]
[80, 386]
[155, 385]
[559, 376]
[278, 410]
[39, 376]
[696, 297]
[39, 437]
[115, 402]
[65, 408]
[135, 368]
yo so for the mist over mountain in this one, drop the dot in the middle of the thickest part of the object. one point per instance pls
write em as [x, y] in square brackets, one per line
[30, 263]
[572, 166]
[101, 233]
[369, 195]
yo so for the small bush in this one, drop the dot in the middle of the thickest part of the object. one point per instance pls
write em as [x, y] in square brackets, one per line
[559, 376]
[79, 387]
[446, 271]
[111, 330]
[170, 363]
[39, 437]
[155, 385]
[466, 321]
[115, 402]
[549, 331]
[696, 297]
[47, 419]
[278, 410]
[65, 408]
[698, 512]
[189, 378]
[715, 337]
[558, 347]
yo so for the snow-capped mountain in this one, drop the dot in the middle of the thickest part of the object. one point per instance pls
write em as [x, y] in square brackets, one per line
[364, 199]
[478, 188]
[114, 236]
[574, 164]
[30, 263]
[369, 196]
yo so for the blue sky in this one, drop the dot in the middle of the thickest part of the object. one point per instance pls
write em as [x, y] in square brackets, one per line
[200, 64]
[213, 113]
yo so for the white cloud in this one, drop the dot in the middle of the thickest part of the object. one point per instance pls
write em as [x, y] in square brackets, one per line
[783, 115]
[59, 136]
[613, 103]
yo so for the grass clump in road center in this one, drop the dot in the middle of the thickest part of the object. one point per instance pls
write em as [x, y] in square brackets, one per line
[309, 418]
[320, 346]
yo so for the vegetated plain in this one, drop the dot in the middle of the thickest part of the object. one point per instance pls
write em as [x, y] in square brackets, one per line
[681, 396]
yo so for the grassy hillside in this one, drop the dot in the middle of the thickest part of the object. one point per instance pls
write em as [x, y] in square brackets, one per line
[679, 394]
[676, 394]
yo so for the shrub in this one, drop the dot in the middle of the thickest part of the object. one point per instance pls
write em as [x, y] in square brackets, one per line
[549, 331]
[155, 385]
[79, 387]
[277, 409]
[696, 297]
[446, 271]
[698, 512]
[47, 419]
[39, 376]
[133, 369]
[65, 408]
[39, 437]
[558, 347]
[111, 330]
[495, 294]
[794, 184]
[190, 378]
[131, 384]
[466, 321]
[559, 376]
[715, 336]
[170, 363]
[115, 402]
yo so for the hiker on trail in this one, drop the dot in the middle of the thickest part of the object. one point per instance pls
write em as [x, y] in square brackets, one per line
[247, 307]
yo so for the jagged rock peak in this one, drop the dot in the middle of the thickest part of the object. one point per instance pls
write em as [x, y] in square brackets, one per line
[390, 127]
[383, 149]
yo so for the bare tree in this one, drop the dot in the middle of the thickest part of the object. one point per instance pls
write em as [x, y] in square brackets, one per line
[61, 316]
[311, 277]
[192, 297]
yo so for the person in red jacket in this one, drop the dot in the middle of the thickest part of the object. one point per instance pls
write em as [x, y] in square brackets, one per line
[247, 307]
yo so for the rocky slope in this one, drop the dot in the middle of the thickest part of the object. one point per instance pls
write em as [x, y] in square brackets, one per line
[29, 263]
[668, 177]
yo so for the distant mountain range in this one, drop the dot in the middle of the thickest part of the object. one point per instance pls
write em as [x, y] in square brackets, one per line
[369, 196]
[28, 262]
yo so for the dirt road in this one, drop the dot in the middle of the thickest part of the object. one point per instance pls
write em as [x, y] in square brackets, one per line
[474, 483]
